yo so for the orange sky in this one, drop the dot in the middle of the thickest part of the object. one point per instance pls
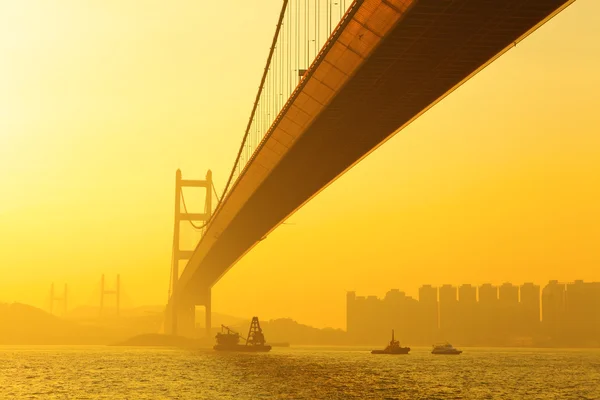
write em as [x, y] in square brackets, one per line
[101, 101]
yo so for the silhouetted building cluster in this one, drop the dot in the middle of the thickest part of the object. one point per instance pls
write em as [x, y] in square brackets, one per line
[571, 313]
[486, 315]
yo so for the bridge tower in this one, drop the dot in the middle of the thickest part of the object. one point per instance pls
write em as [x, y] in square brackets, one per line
[116, 292]
[180, 317]
[54, 298]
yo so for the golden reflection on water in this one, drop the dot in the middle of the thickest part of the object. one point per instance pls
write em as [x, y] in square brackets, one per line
[296, 373]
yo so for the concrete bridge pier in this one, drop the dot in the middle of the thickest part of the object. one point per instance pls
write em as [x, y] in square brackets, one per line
[208, 312]
[185, 324]
[203, 298]
[180, 319]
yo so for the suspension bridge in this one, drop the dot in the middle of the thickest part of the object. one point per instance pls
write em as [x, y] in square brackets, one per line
[340, 79]
[105, 299]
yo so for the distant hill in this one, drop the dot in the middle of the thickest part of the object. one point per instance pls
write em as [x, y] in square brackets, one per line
[217, 319]
[157, 340]
[288, 330]
[151, 311]
[87, 312]
[23, 324]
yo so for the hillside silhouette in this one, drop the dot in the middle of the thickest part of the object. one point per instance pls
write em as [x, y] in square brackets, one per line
[288, 330]
[148, 313]
[24, 324]
[21, 324]
[160, 340]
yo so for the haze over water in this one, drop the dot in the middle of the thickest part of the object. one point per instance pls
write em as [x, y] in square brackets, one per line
[101, 102]
[296, 373]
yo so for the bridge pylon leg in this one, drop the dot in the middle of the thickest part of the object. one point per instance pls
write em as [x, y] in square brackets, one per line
[186, 320]
[181, 319]
[180, 314]
[208, 314]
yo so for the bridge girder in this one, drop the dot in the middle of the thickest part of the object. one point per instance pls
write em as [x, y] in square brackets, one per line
[428, 51]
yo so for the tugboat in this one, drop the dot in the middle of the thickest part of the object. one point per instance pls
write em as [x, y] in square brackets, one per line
[392, 348]
[445, 348]
[229, 341]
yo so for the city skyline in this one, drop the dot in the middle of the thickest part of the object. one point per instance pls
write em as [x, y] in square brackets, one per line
[560, 313]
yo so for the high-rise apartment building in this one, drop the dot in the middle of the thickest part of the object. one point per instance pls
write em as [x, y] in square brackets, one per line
[428, 321]
[487, 314]
[467, 309]
[529, 309]
[553, 308]
[508, 310]
[449, 318]
[582, 312]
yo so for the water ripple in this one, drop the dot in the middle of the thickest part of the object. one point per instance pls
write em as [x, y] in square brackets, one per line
[295, 373]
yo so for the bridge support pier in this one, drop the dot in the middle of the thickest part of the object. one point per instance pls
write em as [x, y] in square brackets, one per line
[208, 313]
[186, 320]
[180, 318]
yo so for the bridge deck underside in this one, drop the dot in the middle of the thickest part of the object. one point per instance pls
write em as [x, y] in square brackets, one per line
[435, 46]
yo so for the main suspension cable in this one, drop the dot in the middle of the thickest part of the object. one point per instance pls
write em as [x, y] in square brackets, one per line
[189, 220]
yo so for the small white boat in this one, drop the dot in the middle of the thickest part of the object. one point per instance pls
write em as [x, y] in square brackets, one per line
[445, 348]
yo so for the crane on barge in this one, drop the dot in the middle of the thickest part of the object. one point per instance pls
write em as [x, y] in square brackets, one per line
[228, 339]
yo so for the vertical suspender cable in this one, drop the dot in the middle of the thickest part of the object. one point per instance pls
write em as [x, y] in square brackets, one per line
[297, 38]
[260, 88]
[319, 22]
[306, 34]
[315, 28]
[281, 62]
[289, 51]
[272, 72]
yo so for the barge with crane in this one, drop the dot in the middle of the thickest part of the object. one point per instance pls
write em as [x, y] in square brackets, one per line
[229, 340]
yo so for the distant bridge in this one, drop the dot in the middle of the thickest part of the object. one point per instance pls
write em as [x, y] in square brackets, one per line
[332, 92]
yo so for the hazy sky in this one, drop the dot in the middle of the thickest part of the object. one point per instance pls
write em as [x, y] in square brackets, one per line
[101, 101]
